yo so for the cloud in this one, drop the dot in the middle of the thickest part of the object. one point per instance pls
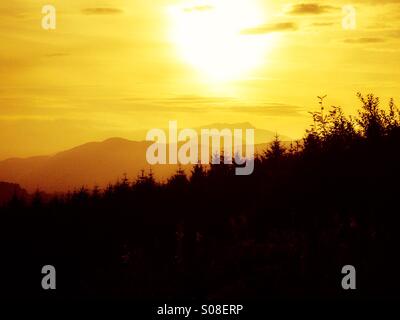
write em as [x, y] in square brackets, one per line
[199, 8]
[14, 65]
[57, 55]
[270, 109]
[323, 24]
[269, 28]
[364, 40]
[394, 33]
[205, 104]
[101, 11]
[185, 103]
[311, 8]
[377, 2]
[197, 100]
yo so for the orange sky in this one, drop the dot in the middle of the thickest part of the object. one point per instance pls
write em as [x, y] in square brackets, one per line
[113, 67]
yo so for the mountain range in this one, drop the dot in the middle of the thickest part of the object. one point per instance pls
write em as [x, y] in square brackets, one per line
[97, 164]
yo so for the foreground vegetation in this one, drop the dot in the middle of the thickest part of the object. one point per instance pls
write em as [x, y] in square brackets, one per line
[285, 231]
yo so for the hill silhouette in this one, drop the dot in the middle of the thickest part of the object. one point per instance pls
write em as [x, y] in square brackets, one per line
[95, 164]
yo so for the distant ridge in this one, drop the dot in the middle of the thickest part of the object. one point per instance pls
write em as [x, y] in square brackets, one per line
[93, 164]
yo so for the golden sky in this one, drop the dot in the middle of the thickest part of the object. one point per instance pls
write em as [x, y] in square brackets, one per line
[113, 67]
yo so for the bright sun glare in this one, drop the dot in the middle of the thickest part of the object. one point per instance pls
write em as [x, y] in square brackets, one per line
[209, 36]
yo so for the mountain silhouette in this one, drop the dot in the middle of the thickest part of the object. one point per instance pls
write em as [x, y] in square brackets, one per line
[92, 164]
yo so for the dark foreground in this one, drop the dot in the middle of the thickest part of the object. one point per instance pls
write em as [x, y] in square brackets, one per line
[284, 232]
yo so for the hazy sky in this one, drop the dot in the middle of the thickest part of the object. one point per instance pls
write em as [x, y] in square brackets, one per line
[112, 67]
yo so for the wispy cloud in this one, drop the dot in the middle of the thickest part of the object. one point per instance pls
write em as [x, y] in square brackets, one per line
[311, 8]
[377, 2]
[394, 33]
[57, 55]
[199, 8]
[269, 28]
[322, 24]
[270, 109]
[101, 11]
[364, 40]
[197, 100]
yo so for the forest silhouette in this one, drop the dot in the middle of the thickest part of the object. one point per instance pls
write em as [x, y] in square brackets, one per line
[286, 231]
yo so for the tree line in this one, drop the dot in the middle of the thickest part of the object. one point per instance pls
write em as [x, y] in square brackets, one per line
[285, 231]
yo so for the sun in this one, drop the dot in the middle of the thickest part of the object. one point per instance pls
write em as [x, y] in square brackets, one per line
[209, 36]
